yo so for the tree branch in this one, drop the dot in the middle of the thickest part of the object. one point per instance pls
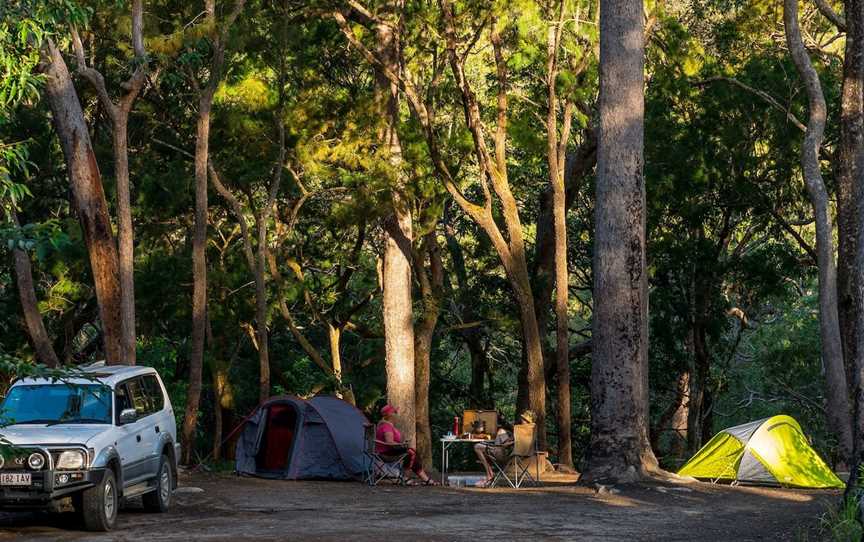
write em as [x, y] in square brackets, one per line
[760, 93]
[836, 19]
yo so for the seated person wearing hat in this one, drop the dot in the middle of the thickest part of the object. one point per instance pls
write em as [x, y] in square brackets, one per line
[388, 442]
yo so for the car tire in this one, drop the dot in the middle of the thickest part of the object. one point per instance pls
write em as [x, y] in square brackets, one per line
[160, 500]
[100, 504]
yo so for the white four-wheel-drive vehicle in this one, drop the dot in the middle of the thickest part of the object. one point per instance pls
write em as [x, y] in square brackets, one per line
[99, 438]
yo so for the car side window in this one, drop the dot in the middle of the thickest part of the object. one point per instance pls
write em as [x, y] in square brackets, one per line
[140, 401]
[121, 393]
[154, 393]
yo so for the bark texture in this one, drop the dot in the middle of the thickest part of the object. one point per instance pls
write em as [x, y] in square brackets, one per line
[431, 286]
[118, 113]
[555, 153]
[88, 197]
[850, 154]
[619, 447]
[397, 298]
[836, 391]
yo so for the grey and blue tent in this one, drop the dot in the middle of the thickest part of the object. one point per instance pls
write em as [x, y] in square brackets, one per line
[296, 439]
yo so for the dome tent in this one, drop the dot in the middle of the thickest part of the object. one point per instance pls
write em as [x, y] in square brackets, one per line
[296, 439]
[771, 451]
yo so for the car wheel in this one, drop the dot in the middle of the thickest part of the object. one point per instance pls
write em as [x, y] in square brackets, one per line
[160, 500]
[99, 504]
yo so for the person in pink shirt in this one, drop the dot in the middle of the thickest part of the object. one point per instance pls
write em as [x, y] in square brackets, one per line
[388, 442]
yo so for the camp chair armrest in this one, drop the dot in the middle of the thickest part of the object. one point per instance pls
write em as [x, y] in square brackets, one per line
[385, 443]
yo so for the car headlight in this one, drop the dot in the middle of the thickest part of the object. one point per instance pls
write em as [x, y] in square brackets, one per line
[71, 460]
[36, 461]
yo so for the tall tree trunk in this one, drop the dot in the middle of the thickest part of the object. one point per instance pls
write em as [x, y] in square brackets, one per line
[578, 164]
[619, 448]
[852, 128]
[850, 153]
[261, 332]
[699, 399]
[88, 197]
[555, 153]
[30, 306]
[398, 321]
[397, 298]
[836, 391]
[199, 238]
[199, 278]
[125, 240]
[674, 418]
[431, 285]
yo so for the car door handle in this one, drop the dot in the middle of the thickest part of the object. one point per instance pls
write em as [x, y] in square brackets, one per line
[157, 428]
[138, 438]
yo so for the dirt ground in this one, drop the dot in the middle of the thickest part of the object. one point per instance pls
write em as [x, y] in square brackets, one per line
[233, 508]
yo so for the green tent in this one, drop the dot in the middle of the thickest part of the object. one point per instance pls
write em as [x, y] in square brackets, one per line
[769, 451]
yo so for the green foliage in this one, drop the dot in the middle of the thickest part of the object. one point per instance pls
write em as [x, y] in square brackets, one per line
[841, 523]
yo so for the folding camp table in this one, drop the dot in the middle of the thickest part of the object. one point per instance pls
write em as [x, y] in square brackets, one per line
[446, 444]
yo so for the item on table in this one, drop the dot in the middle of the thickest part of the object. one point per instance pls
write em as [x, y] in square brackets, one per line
[478, 429]
[456, 425]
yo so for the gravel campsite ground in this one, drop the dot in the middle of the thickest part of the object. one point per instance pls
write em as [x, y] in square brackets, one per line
[230, 508]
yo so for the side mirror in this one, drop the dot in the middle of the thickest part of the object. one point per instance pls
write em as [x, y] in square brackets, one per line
[128, 415]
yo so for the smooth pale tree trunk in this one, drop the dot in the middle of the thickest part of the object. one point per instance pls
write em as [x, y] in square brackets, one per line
[396, 273]
[836, 391]
[88, 197]
[398, 321]
[30, 306]
[334, 335]
[619, 448]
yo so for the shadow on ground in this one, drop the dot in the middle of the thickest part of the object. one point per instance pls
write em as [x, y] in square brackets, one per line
[232, 508]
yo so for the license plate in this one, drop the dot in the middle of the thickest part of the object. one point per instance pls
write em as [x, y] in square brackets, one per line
[15, 479]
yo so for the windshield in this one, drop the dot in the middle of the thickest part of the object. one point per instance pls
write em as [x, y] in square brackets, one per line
[57, 403]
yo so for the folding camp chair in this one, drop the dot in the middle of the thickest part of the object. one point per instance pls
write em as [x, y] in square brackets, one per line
[524, 449]
[381, 466]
